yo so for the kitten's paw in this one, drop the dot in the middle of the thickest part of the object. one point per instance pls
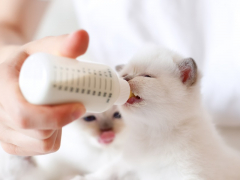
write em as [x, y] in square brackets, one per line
[78, 178]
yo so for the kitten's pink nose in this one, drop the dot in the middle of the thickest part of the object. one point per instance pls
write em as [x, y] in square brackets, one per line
[106, 126]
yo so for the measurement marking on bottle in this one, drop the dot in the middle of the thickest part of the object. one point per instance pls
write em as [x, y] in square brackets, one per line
[110, 84]
[55, 77]
[78, 81]
[94, 82]
[66, 79]
[105, 84]
[89, 78]
[78, 77]
[89, 81]
[109, 97]
[73, 78]
[110, 73]
[105, 73]
[83, 81]
[60, 81]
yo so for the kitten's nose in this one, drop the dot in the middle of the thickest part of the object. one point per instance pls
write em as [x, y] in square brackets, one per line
[106, 126]
[128, 77]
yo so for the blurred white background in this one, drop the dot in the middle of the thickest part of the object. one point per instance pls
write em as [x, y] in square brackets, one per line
[59, 19]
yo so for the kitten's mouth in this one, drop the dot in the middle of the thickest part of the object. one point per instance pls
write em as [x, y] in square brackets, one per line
[106, 137]
[133, 99]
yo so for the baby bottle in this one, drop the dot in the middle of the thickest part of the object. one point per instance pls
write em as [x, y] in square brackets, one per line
[47, 79]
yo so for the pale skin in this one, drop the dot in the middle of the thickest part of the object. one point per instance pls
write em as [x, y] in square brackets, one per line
[27, 129]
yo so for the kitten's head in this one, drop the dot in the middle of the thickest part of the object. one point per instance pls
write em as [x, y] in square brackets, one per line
[163, 82]
[103, 129]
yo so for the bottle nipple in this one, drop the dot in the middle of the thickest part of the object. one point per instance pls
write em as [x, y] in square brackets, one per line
[131, 94]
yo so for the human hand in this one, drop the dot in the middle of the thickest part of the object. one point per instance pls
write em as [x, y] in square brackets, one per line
[27, 129]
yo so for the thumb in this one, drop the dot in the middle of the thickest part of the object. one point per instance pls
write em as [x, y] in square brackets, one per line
[71, 45]
[75, 44]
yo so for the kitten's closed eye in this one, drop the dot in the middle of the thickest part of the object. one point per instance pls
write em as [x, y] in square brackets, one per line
[117, 115]
[147, 76]
[89, 118]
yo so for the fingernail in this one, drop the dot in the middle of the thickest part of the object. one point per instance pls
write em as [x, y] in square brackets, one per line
[77, 112]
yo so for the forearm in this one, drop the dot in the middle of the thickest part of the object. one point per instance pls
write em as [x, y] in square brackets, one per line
[19, 20]
[10, 35]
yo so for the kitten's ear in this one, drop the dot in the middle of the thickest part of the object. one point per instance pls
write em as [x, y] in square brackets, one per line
[188, 70]
[119, 67]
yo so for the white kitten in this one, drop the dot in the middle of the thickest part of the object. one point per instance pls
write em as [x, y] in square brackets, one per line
[88, 144]
[169, 134]
[18, 168]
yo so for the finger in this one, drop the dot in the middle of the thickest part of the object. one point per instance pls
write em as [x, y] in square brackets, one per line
[57, 143]
[36, 134]
[71, 45]
[20, 140]
[28, 116]
[15, 150]
[75, 44]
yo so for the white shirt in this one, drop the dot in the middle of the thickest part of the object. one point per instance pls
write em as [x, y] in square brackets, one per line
[206, 30]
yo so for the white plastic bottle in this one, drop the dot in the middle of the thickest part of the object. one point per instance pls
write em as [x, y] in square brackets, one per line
[47, 79]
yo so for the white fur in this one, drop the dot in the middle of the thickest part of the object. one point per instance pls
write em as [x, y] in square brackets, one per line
[170, 136]
[18, 168]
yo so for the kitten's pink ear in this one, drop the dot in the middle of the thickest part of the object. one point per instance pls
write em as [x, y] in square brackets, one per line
[188, 70]
[119, 67]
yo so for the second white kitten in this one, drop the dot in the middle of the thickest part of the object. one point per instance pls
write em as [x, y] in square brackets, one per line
[88, 144]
